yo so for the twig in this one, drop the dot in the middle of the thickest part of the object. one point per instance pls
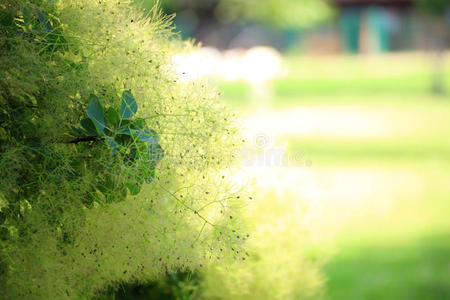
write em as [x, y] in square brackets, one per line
[85, 139]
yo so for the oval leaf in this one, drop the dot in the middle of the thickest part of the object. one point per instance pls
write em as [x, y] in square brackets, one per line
[128, 108]
[76, 132]
[147, 135]
[112, 117]
[96, 114]
[89, 127]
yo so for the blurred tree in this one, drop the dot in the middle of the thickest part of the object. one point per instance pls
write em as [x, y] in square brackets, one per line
[433, 7]
[216, 22]
[290, 14]
[192, 16]
[437, 13]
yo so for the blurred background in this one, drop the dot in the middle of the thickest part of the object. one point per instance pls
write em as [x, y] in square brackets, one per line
[347, 103]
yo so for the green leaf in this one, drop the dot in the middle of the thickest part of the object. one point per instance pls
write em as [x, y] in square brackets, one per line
[126, 131]
[75, 131]
[138, 123]
[137, 128]
[129, 127]
[134, 187]
[112, 117]
[96, 114]
[89, 127]
[44, 22]
[128, 108]
[147, 135]
[112, 143]
[124, 127]
[124, 140]
[156, 153]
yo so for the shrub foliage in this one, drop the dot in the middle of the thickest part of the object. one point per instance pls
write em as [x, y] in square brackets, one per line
[111, 169]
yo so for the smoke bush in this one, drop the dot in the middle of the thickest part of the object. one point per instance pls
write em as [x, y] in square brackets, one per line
[70, 222]
[282, 259]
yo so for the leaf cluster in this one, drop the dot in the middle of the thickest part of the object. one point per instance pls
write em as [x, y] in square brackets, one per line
[122, 133]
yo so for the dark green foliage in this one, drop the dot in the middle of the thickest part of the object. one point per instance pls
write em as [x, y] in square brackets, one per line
[434, 7]
[123, 134]
[174, 286]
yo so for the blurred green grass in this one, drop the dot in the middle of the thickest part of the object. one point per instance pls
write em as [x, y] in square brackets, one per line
[393, 79]
[382, 151]
[419, 270]
[405, 253]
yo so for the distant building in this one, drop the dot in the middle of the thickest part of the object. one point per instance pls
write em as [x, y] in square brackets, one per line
[375, 25]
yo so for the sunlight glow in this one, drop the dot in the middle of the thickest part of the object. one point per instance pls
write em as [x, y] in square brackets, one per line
[256, 65]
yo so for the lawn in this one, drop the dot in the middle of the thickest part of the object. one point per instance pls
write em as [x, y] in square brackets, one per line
[378, 147]
[418, 270]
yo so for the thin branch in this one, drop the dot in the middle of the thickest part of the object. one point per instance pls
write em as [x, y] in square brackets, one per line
[85, 139]
[200, 232]
[186, 206]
